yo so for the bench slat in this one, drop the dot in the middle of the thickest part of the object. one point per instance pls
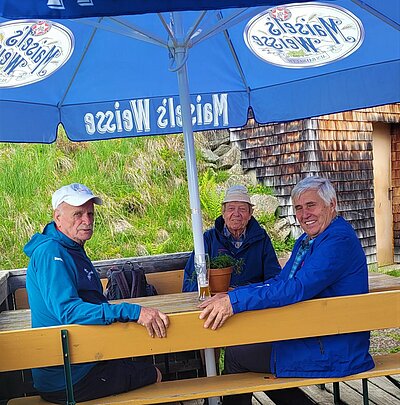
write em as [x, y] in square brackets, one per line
[206, 387]
[165, 282]
[22, 349]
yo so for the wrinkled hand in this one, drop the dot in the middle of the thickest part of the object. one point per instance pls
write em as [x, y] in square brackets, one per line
[217, 310]
[155, 321]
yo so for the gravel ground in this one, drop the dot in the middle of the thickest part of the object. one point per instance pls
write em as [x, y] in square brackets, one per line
[385, 341]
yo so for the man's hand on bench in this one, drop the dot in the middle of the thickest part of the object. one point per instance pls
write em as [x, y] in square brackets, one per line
[155, 321]
[217, 310]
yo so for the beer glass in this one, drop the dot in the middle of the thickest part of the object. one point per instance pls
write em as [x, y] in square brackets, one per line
[202, 268]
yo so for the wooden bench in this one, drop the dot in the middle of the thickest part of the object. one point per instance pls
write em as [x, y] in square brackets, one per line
[15, 279]
[40, 347]
[166, 282]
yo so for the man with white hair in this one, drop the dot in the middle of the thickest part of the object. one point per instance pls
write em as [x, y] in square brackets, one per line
[327, 261]
[64, 288]
[238, 234]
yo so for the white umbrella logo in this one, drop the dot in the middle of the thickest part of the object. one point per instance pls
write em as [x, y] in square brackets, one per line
[304, 35]
[31, 50]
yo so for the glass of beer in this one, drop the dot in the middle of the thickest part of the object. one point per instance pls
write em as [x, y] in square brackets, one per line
[202, 267]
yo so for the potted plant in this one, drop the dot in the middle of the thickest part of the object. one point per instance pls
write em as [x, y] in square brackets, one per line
[221, 268]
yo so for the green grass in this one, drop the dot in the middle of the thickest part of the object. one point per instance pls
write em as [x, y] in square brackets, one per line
[141, 180]
[389, 341]
[390, 270]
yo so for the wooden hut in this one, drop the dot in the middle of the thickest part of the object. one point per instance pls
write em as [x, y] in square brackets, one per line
[358, 150]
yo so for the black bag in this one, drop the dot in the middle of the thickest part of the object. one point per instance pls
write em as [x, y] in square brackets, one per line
[128, 282]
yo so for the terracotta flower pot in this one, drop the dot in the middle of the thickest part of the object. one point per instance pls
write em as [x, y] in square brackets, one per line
[220, 279]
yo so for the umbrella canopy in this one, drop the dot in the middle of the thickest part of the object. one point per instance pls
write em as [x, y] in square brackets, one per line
[111, 77]
[111, 72]
[90, 8]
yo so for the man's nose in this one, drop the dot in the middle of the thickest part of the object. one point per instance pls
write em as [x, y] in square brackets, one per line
[87, 219]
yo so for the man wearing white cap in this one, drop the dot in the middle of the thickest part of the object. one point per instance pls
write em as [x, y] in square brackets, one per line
[238, 234]
[64, 288]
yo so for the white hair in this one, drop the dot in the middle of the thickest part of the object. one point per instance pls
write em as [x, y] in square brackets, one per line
[323, 187]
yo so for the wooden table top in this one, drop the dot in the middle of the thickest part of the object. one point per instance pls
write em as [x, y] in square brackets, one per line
[175, 303]
[170, 303]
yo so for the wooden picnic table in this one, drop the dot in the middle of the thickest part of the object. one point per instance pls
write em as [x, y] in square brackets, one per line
[176, 303]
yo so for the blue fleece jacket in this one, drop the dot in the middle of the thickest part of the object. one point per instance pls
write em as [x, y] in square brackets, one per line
[335, 265]
[64, 288]
[259, 257]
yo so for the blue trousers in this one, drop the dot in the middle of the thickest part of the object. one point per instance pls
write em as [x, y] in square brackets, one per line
[244, 358]
[256, 358]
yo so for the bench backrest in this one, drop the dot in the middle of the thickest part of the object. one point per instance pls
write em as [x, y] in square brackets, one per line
[326, 316]
[166, 282]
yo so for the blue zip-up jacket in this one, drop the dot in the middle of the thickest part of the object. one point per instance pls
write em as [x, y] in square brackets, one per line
[64, 288]
[257, 252]
[334, 266]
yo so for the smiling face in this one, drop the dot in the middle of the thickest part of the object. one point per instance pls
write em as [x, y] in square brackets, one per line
[313, 213]
[75, 222]
[236, 216]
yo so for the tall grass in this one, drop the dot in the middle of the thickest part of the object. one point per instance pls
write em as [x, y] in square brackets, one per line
[142, 182]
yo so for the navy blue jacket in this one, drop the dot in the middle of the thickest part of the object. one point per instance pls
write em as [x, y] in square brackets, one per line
[334, 266]
[64, 288]
[260, 261]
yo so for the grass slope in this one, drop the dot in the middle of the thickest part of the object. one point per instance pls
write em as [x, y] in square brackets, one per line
[141, 180]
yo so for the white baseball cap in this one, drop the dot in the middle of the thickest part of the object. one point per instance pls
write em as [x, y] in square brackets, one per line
[74, 194]
[237, 193]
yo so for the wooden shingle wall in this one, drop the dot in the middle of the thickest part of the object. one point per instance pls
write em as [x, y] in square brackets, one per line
[395, 132]
[336, 146]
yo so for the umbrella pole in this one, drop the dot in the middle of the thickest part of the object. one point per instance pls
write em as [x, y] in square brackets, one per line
[190, 156]
[191, 167]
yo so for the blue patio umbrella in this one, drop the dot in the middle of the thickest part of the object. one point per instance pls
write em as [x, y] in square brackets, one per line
[125, 68]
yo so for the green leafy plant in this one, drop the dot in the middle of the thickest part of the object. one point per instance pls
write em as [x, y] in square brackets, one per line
[260, 189]
[210, 197]
[225, 260]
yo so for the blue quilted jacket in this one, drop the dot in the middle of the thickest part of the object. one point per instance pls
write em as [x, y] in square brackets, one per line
[64, 288]
[259, 258]
[335, 265]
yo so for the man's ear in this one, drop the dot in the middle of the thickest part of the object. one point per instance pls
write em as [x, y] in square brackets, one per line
[56, 216]
[333, 204]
